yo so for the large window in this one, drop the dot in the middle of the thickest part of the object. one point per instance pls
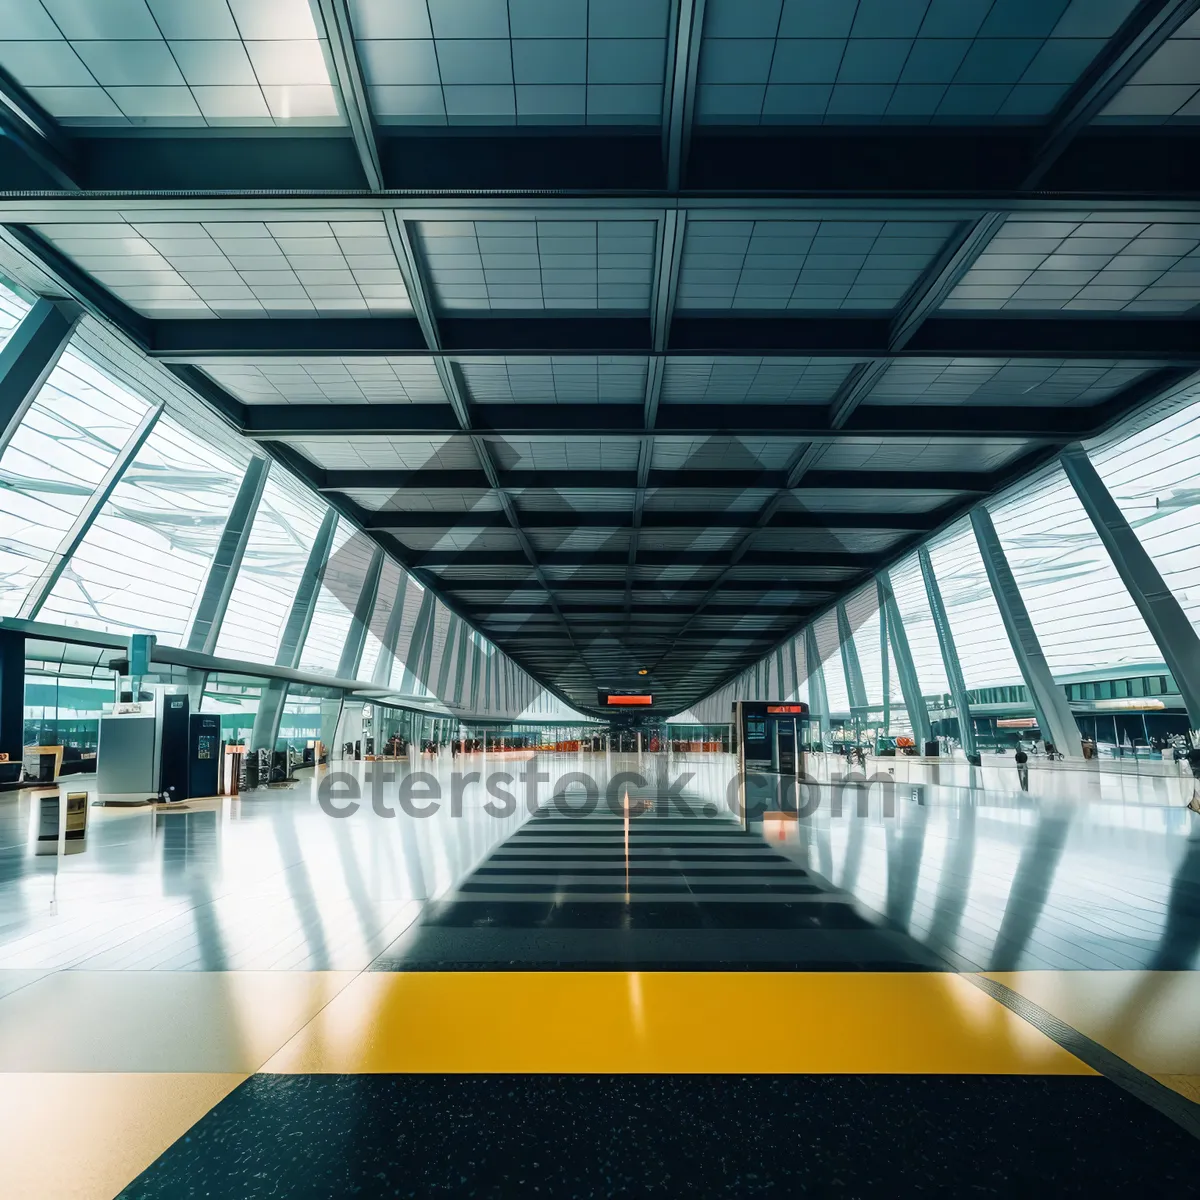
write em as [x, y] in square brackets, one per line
[1055, 554]
[984, 651]
[830, 652]
[862, 613]
[390, 578]
[280, 542]
[12, 310]
[143, 563]
[1154, 476]
[349, 558]
[912, 602]
[56, 459]
[236, 699]
[64, 710]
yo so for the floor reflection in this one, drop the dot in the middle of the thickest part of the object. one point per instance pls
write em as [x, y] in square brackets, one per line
[1104, 875]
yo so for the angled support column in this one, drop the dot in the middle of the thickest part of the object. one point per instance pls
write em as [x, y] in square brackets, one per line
[954, 675]
[12, 696]
[1049, 700]
[356, 635]
[1168, 623]
[850, 663]
[443, 677]
[411, 681]
[218, 586]
[795, 689]
[886, 669]
[295, 630]
[389, 649]
[39, 593]
[818, 699]
[460, 673]
[910, 685]
[28, 357]
[476, 674]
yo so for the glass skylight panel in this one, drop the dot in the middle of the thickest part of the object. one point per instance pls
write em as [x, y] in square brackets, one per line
[143, 564]
[172, 63]
[1003, 382]
[238, 268]
[984, 651]
[583, 380]
[367, 380]
[280, 542]
[56, 459]
[900, 61]
[513, 62]
[550, 265]
[1096, 262]
[1165, 90]
[805, 264]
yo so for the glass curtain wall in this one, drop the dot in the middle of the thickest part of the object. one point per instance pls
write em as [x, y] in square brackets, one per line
[57, 457]
[1090, 630]
[145, 553]
[143, 563]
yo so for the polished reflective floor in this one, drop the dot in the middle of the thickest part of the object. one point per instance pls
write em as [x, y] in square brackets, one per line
[589, 975]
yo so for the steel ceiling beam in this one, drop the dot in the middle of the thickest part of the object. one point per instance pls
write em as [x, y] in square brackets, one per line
[973, 167]
[432, 559]
[332, 18]
[334, 15]
[576, 423]
[25, 124]
[623, 520]
[1145, 30]
[678, 112]
[780, 584]
[660, 480]
[854, 338]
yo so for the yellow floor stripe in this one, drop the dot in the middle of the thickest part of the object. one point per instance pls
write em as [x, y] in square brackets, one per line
[1149, 1018]
[670, 1022]
[85, 1136]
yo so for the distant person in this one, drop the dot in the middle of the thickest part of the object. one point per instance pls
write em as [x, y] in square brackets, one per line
[1022, 768]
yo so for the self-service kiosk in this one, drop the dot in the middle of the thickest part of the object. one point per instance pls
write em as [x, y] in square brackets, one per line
[771, 736]
[191, 751]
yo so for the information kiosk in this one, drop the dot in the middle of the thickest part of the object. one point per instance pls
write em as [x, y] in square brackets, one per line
[771, 735]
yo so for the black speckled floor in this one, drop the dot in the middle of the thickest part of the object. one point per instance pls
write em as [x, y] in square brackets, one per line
[586, 1136]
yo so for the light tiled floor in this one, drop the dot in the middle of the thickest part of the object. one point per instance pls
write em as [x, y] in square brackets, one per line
[1149, 1018]
[176, 1021]
[85, 1135]
[146, 974]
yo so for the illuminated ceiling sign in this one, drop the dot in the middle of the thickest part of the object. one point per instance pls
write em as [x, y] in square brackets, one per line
[620, 701]
[1017, 723]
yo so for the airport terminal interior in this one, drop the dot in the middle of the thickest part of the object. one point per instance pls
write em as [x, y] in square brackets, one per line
[599, 598]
